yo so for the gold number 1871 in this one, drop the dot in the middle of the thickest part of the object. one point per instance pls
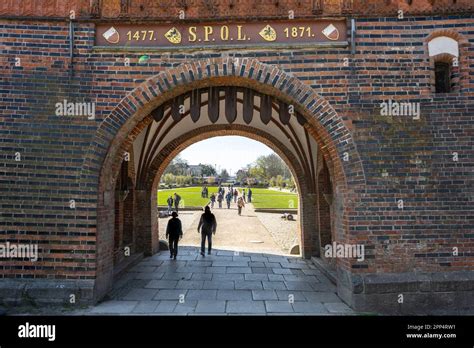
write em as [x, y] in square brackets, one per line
[298, 32]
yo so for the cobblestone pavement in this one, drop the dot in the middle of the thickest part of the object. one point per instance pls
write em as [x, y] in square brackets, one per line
[226, 282]
[283, 232]
[247, 273]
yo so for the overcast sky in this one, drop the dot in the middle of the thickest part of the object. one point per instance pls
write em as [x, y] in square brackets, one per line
[229, 152]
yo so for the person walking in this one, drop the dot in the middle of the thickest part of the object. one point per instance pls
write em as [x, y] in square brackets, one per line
[236, 194]
[207, 227]
[174, 232]
[228, 199]
[243, 194]
[240, 205]
[177, 200]
[220, 198]
[213, 199]
[170, 204]
[249, 196]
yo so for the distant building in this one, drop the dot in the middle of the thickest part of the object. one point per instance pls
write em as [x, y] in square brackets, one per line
[210, 179]
[194, 170]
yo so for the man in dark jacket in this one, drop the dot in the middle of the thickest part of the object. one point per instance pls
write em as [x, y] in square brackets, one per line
[174, 232]
[177, 200]
[207, 227]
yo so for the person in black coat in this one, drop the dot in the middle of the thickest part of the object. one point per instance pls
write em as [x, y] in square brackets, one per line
[177, 200]
[174, 232]
[207, 227]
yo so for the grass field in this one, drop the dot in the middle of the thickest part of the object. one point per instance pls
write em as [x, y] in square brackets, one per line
[191, 196]
[265, 198]
[261, 198]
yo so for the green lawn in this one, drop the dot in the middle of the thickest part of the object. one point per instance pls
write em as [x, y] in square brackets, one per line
[265, 198]
[261, 198]
[191, 196]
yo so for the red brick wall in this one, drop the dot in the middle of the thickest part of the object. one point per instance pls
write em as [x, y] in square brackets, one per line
[247, 9]
[324, 213]
[124, 212]
[391, 62]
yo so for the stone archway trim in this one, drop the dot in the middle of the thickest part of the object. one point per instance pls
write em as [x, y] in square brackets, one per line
[147, 156]
[332, 133]
[117, 132]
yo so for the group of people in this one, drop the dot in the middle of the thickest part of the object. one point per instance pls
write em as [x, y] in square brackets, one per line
[249, 195]
[173, 201]
[207, 224]
[221, 195]
[231, 194]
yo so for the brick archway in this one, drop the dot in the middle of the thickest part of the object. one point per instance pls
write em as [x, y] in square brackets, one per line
[132, 115]
[323, 122]
[306, 208]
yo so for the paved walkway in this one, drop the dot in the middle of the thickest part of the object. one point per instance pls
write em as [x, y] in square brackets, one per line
[234, 232]
[246, 274]
[223, 283]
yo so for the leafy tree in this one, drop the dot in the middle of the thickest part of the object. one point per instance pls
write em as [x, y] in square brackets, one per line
[290, 183]
[178, 166]
[242, 175]
[257, 172]
[279, 181]
[272, 181]
[168, 179]
[207, 170]
[224, 175]
[272, 165]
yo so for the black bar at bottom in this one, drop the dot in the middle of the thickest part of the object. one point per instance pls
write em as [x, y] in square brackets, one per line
[242, 330]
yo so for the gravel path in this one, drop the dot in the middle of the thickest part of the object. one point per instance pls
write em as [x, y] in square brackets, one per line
[283, 232]
[234, 232]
